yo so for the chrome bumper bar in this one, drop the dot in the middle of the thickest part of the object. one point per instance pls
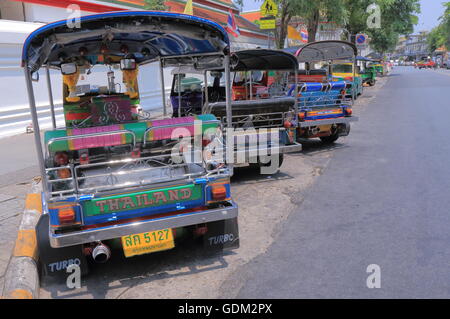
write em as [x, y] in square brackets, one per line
[281, 149]
[116, 231]
[340, 120]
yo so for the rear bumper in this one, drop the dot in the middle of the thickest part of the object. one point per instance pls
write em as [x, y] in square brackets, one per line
[339, 120]
[116, 231]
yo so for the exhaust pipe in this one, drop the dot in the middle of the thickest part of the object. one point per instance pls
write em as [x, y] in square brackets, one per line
[101, 253]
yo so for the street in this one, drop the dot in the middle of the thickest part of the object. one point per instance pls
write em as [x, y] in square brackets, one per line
[383, 200]
[378, 196]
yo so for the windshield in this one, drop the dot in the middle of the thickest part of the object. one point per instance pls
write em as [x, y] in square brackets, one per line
[189, 83]
[342, 68]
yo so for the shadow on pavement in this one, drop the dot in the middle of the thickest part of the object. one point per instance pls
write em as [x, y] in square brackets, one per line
[125, 273]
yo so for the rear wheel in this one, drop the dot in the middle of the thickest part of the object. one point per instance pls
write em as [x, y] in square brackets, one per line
[330, 139]
[268, 164]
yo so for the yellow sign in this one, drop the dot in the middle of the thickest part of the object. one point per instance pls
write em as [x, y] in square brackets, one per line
[269, 8]
[188, 8]
[267, 24]
[150, 242]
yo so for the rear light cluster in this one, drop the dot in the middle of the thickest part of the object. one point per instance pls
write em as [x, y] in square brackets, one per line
[289, 120]
[218, 192]
[301, 116]
[63, 216]
[348, 111]
[66, 216]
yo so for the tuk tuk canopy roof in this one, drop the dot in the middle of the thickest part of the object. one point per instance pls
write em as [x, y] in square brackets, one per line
[364, 59]
[253, 60]
[263, 59]
[147, 35]
[326, 50]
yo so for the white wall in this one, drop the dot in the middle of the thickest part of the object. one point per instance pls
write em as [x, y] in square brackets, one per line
[40, 13]
[14, 109]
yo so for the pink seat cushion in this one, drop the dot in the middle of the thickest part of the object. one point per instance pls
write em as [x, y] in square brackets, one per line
[166, 133]
[96, 141]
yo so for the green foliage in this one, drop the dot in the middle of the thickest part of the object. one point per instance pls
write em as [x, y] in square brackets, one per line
[397, 17]
[312, 12]
[155, 5]
[440, 35]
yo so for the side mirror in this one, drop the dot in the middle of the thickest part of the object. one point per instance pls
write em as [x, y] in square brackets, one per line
[35, 76]
[68, 68]
[128, 64]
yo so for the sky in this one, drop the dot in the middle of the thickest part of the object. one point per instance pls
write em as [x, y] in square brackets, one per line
[428, 18]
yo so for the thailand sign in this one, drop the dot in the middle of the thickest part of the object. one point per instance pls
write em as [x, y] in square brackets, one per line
[125, 202]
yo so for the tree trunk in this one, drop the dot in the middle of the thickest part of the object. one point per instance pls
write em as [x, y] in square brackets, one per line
[281, 32]
[313, 26]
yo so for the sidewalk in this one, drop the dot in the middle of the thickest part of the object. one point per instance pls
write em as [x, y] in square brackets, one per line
[18, 167]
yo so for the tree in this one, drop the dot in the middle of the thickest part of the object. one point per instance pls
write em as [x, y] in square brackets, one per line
[311, 12]
[314, 12]
[397, 17]
[155, 5]
[436, 38]
[440, 35]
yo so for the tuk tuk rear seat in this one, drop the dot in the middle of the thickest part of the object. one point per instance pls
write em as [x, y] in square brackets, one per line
[127, 133]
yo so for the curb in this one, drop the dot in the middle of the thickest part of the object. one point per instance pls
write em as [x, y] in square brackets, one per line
[22, 277]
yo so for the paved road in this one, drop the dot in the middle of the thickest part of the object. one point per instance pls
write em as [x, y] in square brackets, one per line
[385, 200]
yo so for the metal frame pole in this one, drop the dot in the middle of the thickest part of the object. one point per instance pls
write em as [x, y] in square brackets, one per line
[354, 79]
[50, 96]
[296, 94]
[37, 134]
[230, 148]
[251, 85]
[163, 86]
[179, 93]
[206, 102]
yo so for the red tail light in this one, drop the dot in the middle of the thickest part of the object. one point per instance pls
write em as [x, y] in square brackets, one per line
[66, 215]
[287, 124]
[219, 192]
[301, 116]
[136, 153]
[84, 158]
[348, 111]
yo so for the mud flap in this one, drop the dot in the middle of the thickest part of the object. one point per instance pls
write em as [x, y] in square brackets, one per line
[54, 261]
[223, 234]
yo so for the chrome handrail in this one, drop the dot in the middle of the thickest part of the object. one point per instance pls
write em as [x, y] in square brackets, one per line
[72, 137]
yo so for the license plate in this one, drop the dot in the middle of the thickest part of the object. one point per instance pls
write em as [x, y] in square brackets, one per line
[150, 242]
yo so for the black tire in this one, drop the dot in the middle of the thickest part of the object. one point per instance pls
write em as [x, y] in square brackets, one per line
[280, 161]
[329, 139]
